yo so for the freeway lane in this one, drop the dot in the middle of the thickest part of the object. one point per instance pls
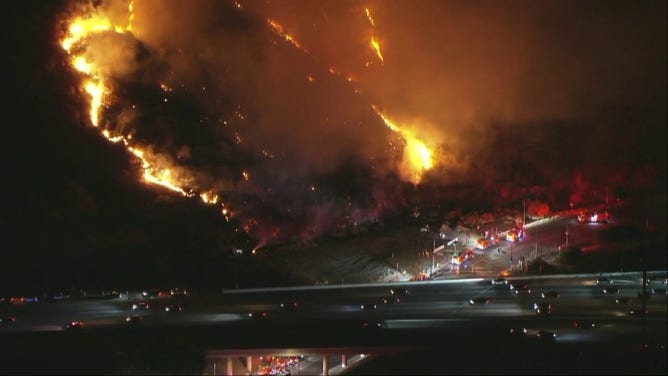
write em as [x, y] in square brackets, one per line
[578, 297]
[432, 314]
[431, 299]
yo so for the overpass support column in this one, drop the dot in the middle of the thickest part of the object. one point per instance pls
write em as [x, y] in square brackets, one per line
[230, 366]
[325, 364]
[344, 360]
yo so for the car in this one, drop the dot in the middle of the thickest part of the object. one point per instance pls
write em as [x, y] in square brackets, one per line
[603, 280]
[546, 335]
[150, 293]
[500, 281]
[373, 325]
[583, 324]
[290, 306]
[659, 292]
[368, 306]
[261, 315]
[611, 290]
[542, 308]
[520, 288]
[636, 311]
[549, 295]
[173, 308]
[178, 291]
[623, 300]
[7, 320]
[74, 325]
[518, 332]
[140, 305]
[134, 319]
[391, 300]
[480, 300]
[399, 291]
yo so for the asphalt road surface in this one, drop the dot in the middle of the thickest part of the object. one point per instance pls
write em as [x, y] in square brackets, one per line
[427, 318]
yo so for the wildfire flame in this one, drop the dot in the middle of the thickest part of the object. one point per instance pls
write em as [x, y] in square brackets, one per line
[81, 28]
[376, 47]
[160, 171]
[278, 29]
[417, 156]
[374, 43]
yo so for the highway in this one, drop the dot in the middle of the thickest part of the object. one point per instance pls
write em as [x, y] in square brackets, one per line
[423, 327]
[331, 316]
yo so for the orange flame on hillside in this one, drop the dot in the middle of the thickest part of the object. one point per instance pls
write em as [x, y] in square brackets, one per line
[154, 169]
[374, 43]
[417, 156]
[278, 29]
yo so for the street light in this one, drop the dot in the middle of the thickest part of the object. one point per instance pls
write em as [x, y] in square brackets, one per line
[423, 230]
[524, 210]
[433, 248]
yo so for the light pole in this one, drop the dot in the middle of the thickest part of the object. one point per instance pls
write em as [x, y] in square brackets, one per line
[524, 211]
[432, 257]
[536, 243]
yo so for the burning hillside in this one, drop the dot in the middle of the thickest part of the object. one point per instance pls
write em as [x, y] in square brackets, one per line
[245, 118]
[301, 119]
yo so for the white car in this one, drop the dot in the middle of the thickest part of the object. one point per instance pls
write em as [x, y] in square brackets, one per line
[500, 281]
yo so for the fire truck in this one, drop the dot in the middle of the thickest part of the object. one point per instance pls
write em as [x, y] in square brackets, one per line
[515, 234]
[593, 217]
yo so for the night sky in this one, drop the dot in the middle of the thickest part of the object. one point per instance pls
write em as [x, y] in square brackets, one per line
[550, 100]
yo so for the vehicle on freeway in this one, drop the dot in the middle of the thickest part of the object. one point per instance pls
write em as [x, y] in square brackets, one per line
[480, 300]
[368, 306]
[391, 300]
[623, 300]
[549, 295]
[399, 291]
[7, 320]
[500, 281]
[373, 325]
[520, 288]
[603, 280]
[179, 291]
[74, 325]
[140, 305]
[173, 308]
[546, 335]
[290, 306]
[150, 293]
[542, 308]
[636, 311]
[611, 290]
[518, 332]
[134, 319]
[659, 292]
[261, 315]
[584, 324]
